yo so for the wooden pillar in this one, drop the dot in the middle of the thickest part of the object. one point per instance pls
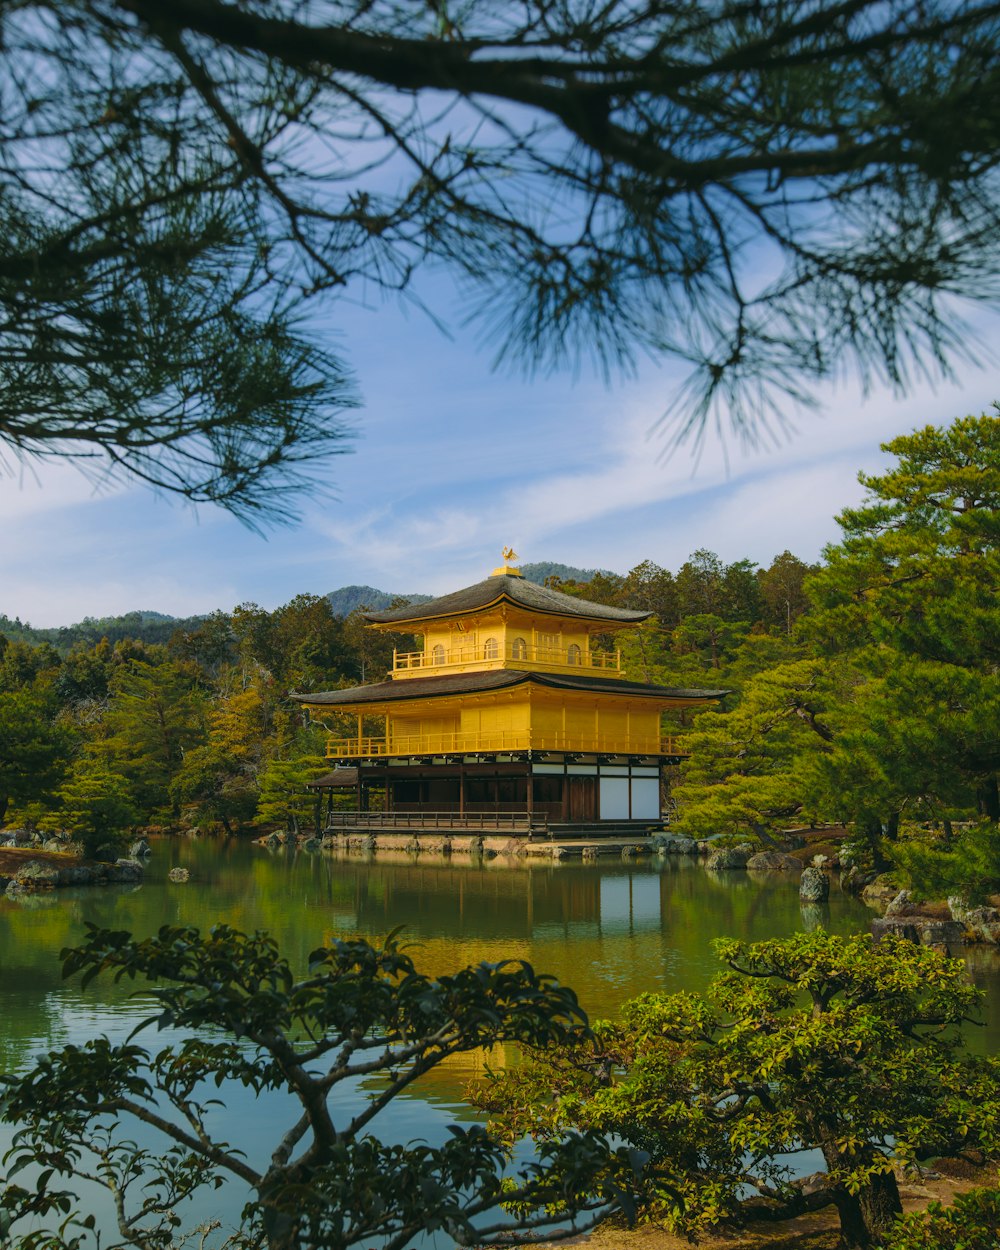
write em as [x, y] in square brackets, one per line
[361, 732]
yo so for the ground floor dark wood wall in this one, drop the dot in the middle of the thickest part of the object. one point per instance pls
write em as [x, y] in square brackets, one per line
[563, 789]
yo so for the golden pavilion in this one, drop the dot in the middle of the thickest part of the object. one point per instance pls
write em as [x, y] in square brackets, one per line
[509, 716]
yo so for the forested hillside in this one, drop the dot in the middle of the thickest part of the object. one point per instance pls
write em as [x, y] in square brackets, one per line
[196, 725]
[152, 627]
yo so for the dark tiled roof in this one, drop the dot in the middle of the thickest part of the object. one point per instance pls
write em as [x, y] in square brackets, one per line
[516, 590]
[613, 685]
[495, 679]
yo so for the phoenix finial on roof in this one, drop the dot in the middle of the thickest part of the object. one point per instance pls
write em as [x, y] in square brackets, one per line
[509, 554]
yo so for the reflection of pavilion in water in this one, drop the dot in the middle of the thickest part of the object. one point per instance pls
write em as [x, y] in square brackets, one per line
[441, 899]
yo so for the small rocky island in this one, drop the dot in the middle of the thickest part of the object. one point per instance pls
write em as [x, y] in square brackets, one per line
[29, 865]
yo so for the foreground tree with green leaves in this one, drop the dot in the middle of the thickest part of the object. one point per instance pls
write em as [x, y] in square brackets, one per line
[809, 1043]
[362, 1013]
[970, 1223]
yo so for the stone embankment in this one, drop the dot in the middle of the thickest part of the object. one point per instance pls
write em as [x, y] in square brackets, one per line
[488, 846]
[944, 926]
[447, 842]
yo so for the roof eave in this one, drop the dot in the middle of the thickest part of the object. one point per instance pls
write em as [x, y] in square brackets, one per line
[377, 620]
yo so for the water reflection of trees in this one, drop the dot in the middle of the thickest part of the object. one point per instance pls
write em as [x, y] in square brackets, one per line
[611, 929]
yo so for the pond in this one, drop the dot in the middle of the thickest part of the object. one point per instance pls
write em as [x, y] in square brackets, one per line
[610, 929]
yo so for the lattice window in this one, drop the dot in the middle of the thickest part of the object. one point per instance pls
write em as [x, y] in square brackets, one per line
[548, 647]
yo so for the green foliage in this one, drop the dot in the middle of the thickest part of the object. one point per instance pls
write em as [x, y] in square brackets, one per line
[967, 864]
[810, 1042]
[284, 800]
[216, 786]
[885, 707]
[747, 768]
[34, 748]
[707, 640]
[705, 585]
[782, 590]
[361, 1011]
[155, 715]
[970, 1223]
[96, 807]
[910, 589]
[22, 665]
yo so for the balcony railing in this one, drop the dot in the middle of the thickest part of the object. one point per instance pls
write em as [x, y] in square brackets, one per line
[485, 654]
[500, 741]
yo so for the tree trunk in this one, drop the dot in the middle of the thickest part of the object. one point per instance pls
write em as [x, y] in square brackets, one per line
[989, 799]
[873, 834]
[853, 1229]
[866, 1216]
[880, 1205]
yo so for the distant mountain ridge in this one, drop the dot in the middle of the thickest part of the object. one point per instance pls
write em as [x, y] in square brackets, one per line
[540, 570]
[156, 627]
[349, 598]
[151, 627]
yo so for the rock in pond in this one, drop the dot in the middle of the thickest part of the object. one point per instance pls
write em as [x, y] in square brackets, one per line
[901, 904]
[179, 875]
[774, 861]
[814, 886]
[670, 844]
[729, 857]
[942, 935]
[880, 892]
[139, 849]
[981, 923]
[34, 875]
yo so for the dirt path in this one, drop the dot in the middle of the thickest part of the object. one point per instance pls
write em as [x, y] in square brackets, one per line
[817, 1231]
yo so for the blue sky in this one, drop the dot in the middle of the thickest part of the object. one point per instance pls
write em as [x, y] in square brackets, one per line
[451, 462]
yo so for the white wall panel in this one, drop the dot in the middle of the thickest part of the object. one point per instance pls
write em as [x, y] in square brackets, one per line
[645, 798]
[614, 798]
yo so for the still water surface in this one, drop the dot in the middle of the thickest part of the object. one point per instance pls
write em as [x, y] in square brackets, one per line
[611, 930]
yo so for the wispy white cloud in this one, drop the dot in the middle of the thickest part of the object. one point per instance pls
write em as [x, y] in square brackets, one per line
[628, 502]
[453, 463]
[32, 487]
